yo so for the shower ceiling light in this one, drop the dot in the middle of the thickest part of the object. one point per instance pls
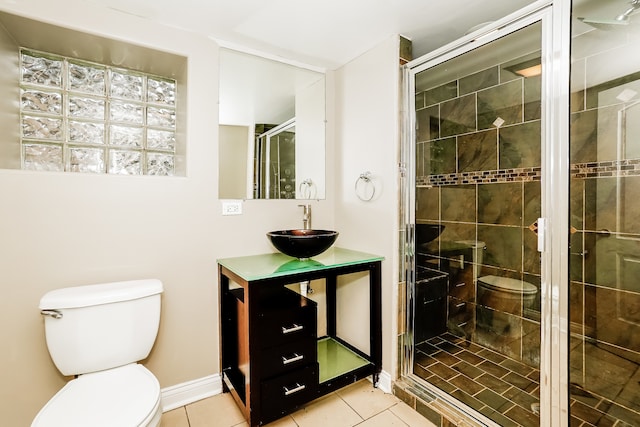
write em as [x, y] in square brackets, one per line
[532, 71]
[530, 68]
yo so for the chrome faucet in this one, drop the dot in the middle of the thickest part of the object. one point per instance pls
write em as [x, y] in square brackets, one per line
[306, 216]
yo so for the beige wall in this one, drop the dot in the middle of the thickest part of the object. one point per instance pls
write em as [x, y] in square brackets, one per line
[367, 139]
[9, 109]
[62, 230]
[59, 230]
[234, 149]
[71, 229]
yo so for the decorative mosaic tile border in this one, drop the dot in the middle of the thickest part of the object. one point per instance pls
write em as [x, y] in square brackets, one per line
[481, 177]
[604, 169]
[613, 168]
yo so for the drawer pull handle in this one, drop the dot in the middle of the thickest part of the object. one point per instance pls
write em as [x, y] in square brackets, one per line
[295, 358]
[294, 328]
[297, 388]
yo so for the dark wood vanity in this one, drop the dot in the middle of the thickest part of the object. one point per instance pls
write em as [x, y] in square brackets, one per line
[272, 360]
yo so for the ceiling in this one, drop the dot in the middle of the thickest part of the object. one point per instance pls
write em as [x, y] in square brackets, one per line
[325, 34]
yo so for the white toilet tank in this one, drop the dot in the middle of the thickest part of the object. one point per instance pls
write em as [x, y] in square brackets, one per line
[97, 327]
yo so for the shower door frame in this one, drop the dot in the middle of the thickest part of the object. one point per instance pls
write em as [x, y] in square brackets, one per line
[553, 241]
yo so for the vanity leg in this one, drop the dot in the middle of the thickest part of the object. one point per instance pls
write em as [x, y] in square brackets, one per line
[375, 325]
[331, 304]
[224, 315]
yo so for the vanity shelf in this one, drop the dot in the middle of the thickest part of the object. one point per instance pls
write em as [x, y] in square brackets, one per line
[272, 360]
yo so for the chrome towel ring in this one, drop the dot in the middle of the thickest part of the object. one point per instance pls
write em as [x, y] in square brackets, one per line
[365, 187]
[307, 189]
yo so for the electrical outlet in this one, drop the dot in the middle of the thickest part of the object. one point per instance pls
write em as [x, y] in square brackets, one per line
[232, 207]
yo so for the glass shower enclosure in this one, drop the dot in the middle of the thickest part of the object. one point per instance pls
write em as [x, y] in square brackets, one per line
[604, 221]
[522, 237]
[476, 295]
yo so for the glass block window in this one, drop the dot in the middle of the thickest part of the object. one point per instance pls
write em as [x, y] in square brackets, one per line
[84, 117]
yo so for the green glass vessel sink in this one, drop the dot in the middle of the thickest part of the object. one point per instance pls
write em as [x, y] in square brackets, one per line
[302, 243]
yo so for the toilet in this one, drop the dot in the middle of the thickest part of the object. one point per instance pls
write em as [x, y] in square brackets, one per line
[505, 296]
[477, 248]
[99, 333]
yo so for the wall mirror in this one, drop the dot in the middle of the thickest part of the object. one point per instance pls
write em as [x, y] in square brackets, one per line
[271, 129]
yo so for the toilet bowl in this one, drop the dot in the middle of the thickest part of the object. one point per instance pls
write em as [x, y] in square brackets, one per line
[98, 333]
[124, 396]
[506, 298]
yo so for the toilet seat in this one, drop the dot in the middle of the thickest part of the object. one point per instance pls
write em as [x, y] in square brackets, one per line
[506, 284]
[125, 396]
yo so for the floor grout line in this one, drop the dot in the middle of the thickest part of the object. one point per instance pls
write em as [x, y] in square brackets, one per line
[435, 345]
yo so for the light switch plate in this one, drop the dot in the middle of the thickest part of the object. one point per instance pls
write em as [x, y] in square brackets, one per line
[232, 207]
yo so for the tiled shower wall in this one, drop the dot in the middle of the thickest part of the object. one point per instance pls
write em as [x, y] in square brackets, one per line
[605, 242]
[467, 164]
[482, 184]
[478, 174]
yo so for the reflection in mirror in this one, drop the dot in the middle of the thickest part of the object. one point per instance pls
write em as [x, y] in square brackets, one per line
[272, 129]
[274, 167]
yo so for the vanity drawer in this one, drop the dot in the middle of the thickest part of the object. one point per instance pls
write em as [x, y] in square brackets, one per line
[286, 326]
[287, 357]
[283, 394]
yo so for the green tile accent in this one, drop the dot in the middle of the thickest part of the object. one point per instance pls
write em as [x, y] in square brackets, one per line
[428, 413]
[532, 96]
[478, 151]
[504, 101]
[480, 80]
[441, 93]
[492, 200]
[404, 395]
[428, 123]
[442, 156]
[520, 145]
[458, 204]
[428, 203]
[458, 116]
[492, 399]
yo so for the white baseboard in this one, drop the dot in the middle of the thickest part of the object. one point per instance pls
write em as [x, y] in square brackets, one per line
[384, 382]
[183, 394]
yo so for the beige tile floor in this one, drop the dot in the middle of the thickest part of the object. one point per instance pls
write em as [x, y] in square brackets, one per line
[358, 404]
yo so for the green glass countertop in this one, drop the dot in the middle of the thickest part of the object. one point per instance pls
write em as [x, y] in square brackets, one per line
[265, 266]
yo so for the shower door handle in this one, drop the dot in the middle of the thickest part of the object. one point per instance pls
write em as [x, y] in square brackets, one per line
[542, 228]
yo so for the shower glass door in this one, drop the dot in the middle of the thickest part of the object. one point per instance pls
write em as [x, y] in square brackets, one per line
[275, 162]
[604, 292]
[475, 306]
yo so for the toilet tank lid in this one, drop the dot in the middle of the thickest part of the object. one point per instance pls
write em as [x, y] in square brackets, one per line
[89, 295]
